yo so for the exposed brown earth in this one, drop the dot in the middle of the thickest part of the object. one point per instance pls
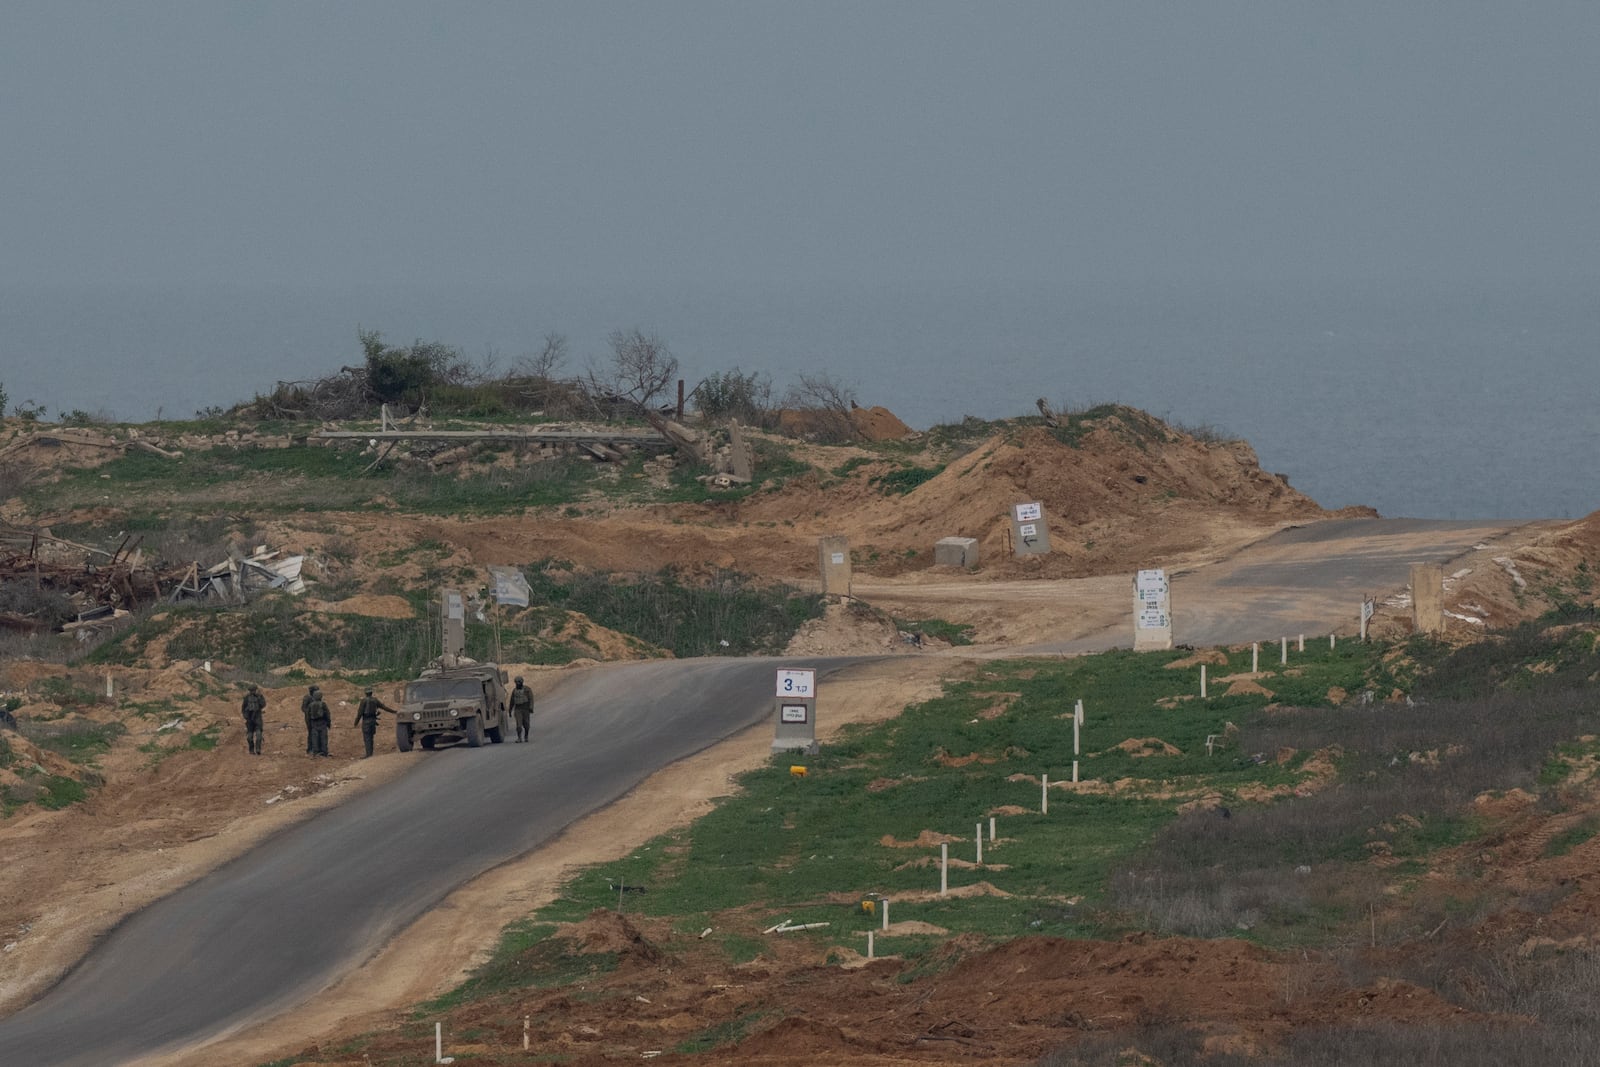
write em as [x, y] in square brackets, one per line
[1127, 492]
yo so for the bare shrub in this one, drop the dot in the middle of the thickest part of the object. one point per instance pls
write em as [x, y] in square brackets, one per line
[825, 405]
[641, 367]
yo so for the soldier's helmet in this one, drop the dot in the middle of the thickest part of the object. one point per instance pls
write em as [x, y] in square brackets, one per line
[369, 690]
[252, 687]
[519, 679]
[316, 689]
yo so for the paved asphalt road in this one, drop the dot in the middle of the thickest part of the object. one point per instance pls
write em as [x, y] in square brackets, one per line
[267, 930]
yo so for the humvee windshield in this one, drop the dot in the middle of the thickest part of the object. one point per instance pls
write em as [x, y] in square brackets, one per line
[443, 689]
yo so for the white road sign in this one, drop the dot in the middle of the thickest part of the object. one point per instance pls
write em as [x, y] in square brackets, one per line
[1029, 512]
[801, 683]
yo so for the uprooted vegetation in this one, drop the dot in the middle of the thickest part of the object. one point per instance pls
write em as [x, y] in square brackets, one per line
[1342, 878]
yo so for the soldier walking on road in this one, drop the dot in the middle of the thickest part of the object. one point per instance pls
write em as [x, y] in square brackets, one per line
[367, 718]
[521, 701]
[305, 710]
[253, 710]
[318, 719]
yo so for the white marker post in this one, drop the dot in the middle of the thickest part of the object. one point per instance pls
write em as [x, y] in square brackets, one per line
[978, 834]
[438, 1045]
[1302, 643]
[869, 953]
[1333, 642]
[1255, 656]
[1044, 795]
[991, 830]
[1202, 681]
[110, 691]
[1283, 650]
[1077, 731]
[944, 869]
[886, 913]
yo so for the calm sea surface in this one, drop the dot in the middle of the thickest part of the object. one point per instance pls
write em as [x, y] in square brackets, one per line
[1453, 405]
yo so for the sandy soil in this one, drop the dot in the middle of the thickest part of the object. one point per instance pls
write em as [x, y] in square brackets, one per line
[1114, 502]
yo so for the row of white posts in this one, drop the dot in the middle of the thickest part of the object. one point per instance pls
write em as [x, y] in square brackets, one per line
[1255, 668]
[1044, 806]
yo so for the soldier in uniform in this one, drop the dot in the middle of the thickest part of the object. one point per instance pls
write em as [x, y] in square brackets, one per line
[305, 710]
[367, 718]
[253, 710]
[318, 719]
[521, 701]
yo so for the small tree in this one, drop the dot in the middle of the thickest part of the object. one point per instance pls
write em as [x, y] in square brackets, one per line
[409, 374]
[641, 367]
[546, 362]
[736, 395]
[826, 403]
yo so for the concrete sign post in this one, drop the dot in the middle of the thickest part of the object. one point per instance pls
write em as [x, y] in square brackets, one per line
[1030, 535]
[795, 726]
[833, 557]
[1368, 606]
[1427, 597]
[1152, 611]
[453, 613]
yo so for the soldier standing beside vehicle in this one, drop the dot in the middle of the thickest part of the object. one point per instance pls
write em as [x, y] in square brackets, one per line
[367, 718]
[521, 701]
[318, 719]
[254, 710]
[305, 710]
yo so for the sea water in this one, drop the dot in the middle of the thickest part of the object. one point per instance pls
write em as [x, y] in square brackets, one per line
[1434, 404]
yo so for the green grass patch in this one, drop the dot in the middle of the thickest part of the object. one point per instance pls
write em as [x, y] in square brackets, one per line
[1572, 837]
[955, 633]
[726, 1033]
[724, 614]
[903, 480]
[80, 740]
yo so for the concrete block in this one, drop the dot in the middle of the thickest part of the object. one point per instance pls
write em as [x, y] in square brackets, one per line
[956, 552]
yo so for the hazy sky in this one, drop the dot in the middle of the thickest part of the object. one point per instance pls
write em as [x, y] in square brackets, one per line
[460, 143]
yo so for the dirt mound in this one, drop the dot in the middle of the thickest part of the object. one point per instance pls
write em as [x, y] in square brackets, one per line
[1118, 488]
[926, 839]
[879, 424]
[372, 606]
[847, 628]
[1138, 747]
[605, 931]
[789, 1034]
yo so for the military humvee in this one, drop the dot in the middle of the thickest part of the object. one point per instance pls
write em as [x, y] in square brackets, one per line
[466, 701]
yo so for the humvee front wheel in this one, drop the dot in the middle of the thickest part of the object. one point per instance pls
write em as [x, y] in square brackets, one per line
[402, 736]
[474, 731]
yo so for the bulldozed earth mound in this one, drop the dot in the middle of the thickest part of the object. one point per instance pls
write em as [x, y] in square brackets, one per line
[1117, 485]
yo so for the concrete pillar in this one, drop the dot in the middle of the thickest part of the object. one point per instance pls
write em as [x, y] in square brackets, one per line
[740, 455]
[1427, 597]
[833, 558]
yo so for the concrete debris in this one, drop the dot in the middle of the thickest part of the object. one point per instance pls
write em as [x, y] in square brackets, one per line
[236, 580]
